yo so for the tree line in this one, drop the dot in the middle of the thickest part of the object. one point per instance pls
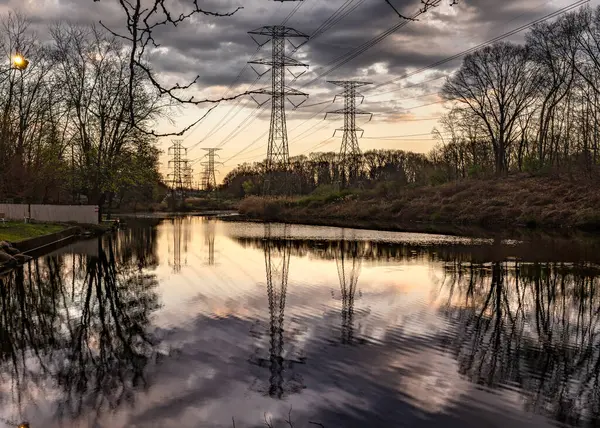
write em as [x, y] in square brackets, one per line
[530, 107]
[65, 121]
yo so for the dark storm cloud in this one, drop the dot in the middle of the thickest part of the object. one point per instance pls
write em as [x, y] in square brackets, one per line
[217, 48]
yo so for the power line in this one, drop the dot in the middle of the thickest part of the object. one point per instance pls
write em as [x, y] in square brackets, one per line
[551, 15]
[343, 59]
[371, 43]
[338, 15]
[228, 91]
[367, 46]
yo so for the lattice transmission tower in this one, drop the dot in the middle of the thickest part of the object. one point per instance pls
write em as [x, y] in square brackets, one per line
[188, 176]
[177, 164]
[277, 178]
[209, 179]
[349, 158]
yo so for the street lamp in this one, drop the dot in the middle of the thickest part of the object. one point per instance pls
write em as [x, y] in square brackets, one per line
[19, 62]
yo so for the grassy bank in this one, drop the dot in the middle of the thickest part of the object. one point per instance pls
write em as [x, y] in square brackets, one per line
[19, 231]
[192, 204]
[514, 201]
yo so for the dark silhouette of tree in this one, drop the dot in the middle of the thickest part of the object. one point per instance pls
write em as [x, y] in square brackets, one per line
[531, 325]
[89, 337]
[498, 84]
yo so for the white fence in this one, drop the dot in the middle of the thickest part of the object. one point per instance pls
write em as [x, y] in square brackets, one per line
[84, 214]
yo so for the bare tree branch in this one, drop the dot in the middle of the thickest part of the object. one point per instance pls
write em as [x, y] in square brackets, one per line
[426, 5]
[140, 23]
[398, 12]
[289, 419]
[178, 133]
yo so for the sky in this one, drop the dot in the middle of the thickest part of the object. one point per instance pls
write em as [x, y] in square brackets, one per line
[405, 109]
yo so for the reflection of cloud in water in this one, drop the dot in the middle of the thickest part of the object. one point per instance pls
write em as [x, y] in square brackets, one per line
[401, 368]
[434, 385]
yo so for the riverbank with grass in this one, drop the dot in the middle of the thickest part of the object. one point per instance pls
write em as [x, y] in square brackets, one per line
[517, 201]
[14, 231]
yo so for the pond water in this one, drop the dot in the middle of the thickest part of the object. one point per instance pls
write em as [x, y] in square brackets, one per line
[198, 322]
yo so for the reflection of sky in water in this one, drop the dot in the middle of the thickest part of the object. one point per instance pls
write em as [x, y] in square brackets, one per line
[214, 323]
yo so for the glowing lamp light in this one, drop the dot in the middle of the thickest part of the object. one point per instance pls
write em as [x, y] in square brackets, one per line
[19, 62]
[24, 425]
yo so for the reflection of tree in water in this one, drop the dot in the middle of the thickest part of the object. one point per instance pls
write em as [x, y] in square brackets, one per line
[277, 262]
[137, 245]
[88, 343]
[448, 251]
[348, 261]
[531, 325]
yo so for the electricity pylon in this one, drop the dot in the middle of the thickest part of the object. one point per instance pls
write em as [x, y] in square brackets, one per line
[188, 175]
[177, 164]
[209, 180]
[349, 158]
[277, 178]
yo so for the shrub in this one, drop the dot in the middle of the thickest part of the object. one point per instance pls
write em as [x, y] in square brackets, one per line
[272, 209]
[321, 196]
[534, 166]
[385, 188]
[248, 187]
[252, 206]
[475, 171]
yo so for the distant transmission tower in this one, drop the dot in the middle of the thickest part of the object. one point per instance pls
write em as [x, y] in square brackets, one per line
[209, 180]
[349, 159]
[188, 175]
[177, 164]
[278, 156]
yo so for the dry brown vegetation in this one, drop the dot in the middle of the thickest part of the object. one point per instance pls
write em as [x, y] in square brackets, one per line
[517, 200]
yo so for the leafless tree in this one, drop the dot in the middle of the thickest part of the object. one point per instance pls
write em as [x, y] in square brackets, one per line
[93, 69]
[553, 48]
[498, 83]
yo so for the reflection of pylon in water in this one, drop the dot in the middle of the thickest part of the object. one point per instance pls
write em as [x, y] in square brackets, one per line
[348, 272]
[177, 244]
[277, 279]
[209, 239]
[277, 293]
[181, 232]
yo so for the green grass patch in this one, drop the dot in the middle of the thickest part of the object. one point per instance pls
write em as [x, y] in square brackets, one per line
[19, 231]
[319, 199]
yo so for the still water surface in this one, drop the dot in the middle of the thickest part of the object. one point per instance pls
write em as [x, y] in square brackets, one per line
[196, 322]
